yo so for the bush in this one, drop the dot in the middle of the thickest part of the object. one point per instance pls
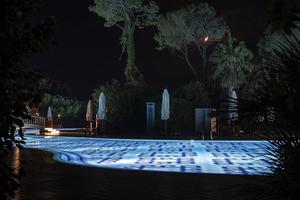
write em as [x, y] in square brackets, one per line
[126, 108]
[284, 156]
[183, 102]
[71, 109]
[273, 107]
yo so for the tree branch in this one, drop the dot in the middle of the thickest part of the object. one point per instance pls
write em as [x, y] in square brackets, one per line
[188, 61]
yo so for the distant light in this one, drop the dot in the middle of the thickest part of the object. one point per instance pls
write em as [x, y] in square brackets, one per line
[206, 39]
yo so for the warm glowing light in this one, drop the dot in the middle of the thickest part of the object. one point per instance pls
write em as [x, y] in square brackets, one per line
[206, 39]
[51, 131]
[16, 160]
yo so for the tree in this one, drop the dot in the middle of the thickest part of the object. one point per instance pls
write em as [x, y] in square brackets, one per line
[233, 62]
[275, 39]
[69, 108]
[195, 24]
[284, 16]
[125, 105]
[273, 109]
[172, 34]
[127, 15]
[55, 87]
[184, 100]
[19, 87]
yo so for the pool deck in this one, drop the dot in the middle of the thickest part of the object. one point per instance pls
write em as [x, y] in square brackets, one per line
[48, 179]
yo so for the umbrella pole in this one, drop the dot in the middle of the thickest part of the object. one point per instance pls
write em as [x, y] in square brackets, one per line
[102, 126]
[166, 126]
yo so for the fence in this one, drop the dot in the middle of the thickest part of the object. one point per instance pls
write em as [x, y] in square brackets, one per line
[35, 122]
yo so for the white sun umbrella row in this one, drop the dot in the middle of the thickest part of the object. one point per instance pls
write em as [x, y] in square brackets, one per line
[101, 109]
[165, 108]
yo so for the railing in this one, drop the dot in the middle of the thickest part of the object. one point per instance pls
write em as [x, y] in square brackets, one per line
[34, 122]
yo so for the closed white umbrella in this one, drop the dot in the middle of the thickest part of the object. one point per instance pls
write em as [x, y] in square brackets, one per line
[102, 109]
[49, 114]
[102, 106]
[89, 116]
[49, 117]
[89, 112]
[165, 107]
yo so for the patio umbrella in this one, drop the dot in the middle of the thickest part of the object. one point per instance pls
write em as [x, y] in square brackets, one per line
[89, 116]
[102, 109]
[102, 106]
[50, 117]
[165, 107]
[89, 112]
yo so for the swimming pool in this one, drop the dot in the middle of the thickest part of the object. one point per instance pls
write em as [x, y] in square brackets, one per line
[185, 156]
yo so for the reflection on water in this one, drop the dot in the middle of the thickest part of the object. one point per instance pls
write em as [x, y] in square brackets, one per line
[16, 165]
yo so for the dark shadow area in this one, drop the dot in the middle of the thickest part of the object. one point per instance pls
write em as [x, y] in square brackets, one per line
[48, 179]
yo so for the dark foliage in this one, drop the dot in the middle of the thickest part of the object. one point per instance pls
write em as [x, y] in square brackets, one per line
[125, 105]
[19, 87]
[272, 110]
[284, 15]
[183, 102]
[275, 99]
[58, 88]
[70, 109]
[284, 156]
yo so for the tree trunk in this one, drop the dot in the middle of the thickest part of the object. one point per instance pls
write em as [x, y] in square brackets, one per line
[188, 61]
[202, 49]
[231, 104]
[204, 59]
[132, 74]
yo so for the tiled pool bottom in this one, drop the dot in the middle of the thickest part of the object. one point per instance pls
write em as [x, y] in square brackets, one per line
[186, 156]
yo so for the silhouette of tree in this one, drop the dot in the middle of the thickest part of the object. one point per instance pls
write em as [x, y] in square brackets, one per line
[19, 87]
[194, 24]
[233, 61]
[127, 15]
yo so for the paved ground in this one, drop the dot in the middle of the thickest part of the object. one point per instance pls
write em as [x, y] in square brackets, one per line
[48, 179]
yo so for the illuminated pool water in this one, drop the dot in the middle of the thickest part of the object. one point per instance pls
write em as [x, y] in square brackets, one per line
[186, 156]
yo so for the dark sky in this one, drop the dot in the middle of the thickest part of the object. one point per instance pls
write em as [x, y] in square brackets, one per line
[85, 54]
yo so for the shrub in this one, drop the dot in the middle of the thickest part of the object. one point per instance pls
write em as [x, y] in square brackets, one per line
[70, 109]
[125, 105]
[183, 102]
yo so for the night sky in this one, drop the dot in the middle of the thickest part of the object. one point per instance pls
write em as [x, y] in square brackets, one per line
[85, 53]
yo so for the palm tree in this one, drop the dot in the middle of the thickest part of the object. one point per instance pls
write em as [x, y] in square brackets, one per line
[233, 63]
[285, 16]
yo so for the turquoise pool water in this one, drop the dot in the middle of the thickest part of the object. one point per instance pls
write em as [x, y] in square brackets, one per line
[185, 156]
